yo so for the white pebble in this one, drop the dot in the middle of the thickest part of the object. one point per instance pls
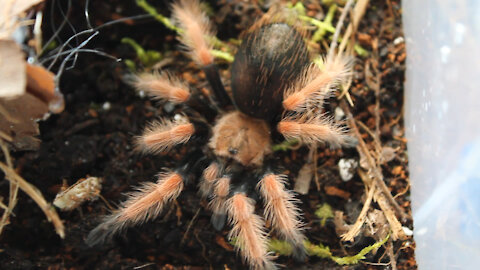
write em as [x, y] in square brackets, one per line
[339, 114]
[398, 40]
[106, 106]
[407, 231]
[347, 168]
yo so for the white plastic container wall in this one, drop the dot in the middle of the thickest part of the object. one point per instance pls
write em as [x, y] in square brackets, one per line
[442, 114]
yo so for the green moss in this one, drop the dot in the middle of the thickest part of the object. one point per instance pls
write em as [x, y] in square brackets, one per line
[280, 247]
[321, 31]
[324, 252]
[324, 212]
[148, 58]
[285, 145]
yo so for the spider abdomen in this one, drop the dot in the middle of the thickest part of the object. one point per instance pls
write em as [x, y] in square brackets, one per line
[269, 59]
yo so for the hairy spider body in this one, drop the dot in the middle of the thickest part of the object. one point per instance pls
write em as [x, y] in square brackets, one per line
[275, 91]
[268, 59]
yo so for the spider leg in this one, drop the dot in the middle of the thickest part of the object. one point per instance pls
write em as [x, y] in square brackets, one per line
[164, 134]
[142, 205]
[196, 29]
[165, 86]
[315, 129]
[149, 200]
[314, 85]
[281, 210]
[248, 231]
[221, 190]
[209, 177]
[161, 85]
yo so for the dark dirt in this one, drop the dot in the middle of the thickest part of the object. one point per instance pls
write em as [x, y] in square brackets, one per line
[93, 136]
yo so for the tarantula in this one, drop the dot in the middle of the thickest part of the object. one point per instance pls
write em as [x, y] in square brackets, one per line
[275, 89]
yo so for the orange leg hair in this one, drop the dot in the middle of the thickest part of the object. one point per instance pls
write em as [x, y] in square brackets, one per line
[247, 229]
[316, 129]
[162, 86]
[281, 210]
[315, 85]
[208, 180]
[143, 205]
[163, 135]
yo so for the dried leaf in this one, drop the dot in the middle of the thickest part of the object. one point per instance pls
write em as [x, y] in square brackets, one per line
[12, 70]
[305, 175]
[388, 153]
[15, 7]
[20, 124]
[9, 12]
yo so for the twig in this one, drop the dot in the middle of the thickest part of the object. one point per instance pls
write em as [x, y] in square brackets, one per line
[3, 206]
[189, 226]
[389, 248]
[338, 28]
[358, 12]
[355, 229]
[378, 145]
[36, 195]
[395, 226]
[13, 189]
[109, 206]
[5, 136]
[333, 45]
[373, 168]
[143, 266]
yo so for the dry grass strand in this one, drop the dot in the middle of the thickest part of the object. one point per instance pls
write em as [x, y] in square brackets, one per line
[36, 196]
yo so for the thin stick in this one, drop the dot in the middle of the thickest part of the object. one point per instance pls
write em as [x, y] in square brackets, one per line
[362, 148]
[391, 254]
[13, 189]
[355, 229]
[338, 28]
[358, 12]
[378, 145]
[189, 226]
[395, 226]
[37, 196]
[3, 206]
[5, 136]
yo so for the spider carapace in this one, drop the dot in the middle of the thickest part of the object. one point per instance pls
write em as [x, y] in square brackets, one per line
[276, 91]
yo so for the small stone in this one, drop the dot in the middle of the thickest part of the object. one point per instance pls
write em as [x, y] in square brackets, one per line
[407, 231]
[106, 106]
[398, 40]
[347, 168]
[339, 114]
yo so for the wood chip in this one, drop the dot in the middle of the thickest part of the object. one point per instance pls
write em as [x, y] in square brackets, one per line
[334, 191]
